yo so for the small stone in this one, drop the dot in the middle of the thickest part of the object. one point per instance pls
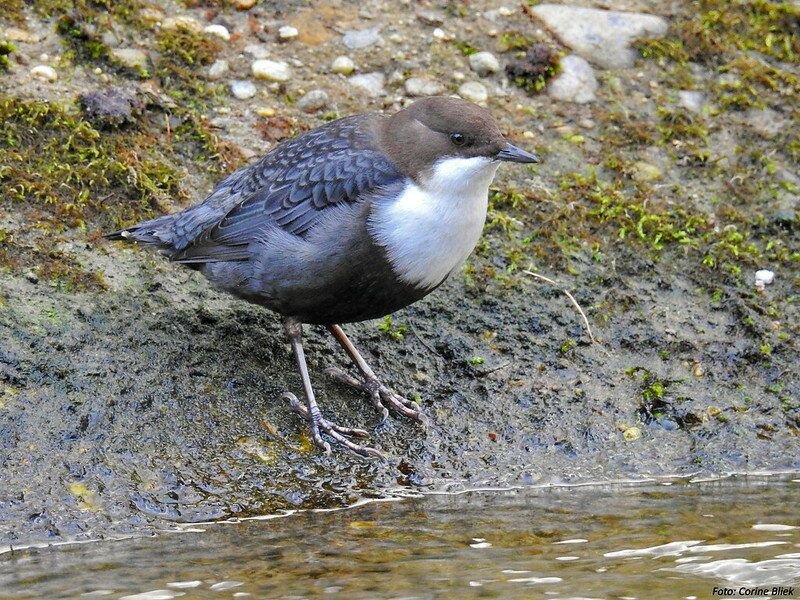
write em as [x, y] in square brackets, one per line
[32, 277]
[601, 36]
[586, 124]
[243, 90]
[217, 70]
[356, 39]
[430, 18]
[133, 58]
[111, 107]
[287, 32]
[631, 434]
[343, 65]
[151, 15]
[244, 4]
[484, 63]
[182, 22]
[417, 86]
[313, 101]
[218, 30]
[474, 91]
[13, 34]
[257, 51]
[44, 73]
[272, 70]
[691, 100]
[576, 83]
[645, 172]
[439, 33]
[265, 111]
[371, 83]
[764, 278]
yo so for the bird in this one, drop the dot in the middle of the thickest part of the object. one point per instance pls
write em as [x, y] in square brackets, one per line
[347, 222]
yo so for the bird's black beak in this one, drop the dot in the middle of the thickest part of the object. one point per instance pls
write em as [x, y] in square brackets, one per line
[513, 154]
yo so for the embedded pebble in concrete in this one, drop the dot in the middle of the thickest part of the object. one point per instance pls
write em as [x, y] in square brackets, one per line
[600, 36]
[691, 100]
[356, 39]
[343, 65]
[484, 63]
[416, 86]
[271, 70]
[217, 70]
[219, 31]
[182, 22]
[243, 90]
[576, 83]
[474, 91]
[257, 51]
[44, 73]
[313, 100]
[132, 58]
[371, 83]
[287, 32]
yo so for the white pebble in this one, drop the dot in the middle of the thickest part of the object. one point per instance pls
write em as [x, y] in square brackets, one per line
[484, 63]
[272, 70]
[257, 51]
[764, 277]
[474, 91]
[343, 65]
[417, 86]
[243, 90]
[287, 32]
[439, 33]
[217, 70]
[44, 73]
[218, 30]
[313, 100]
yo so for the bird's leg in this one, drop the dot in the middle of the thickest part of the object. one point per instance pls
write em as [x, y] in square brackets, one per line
[378, 392]
[311, 412]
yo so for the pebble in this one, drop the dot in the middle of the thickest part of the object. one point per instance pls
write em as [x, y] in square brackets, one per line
[576, 83]
[371, 83]
[243, 90]
[257, 51]
[355, 39]
[313, 101]
[133, 58]
[417, 86]
[217, 70]
[691, 100]
[343, 65]
[218, 30]
[151, 14]
[271, 70]
[439, 34]
[287, 32]
[601, 36]
[474, 91]
[430, 18]
[244, 4]
[182, 22]
[13, 34]
[764, 278]
[44, 73]
[631, 434]
[484, 63]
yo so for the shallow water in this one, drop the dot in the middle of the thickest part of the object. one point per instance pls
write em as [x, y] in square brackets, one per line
[673, 539]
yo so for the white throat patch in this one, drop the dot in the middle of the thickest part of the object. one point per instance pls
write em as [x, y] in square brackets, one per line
[430, 229]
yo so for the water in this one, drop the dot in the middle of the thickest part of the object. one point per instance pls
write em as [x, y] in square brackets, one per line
[660, 540]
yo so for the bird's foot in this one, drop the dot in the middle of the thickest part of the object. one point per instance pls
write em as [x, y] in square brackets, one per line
[341, 434]
[382, 397]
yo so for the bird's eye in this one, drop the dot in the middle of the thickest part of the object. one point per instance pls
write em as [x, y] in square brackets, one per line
[458, 139]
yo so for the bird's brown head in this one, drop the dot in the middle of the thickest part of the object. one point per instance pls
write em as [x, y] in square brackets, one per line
[438, 127]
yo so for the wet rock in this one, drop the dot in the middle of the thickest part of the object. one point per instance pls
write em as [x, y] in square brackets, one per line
[600, 36]
[343, 65]
[645, 172]
[111, 107]
[474, 91]
[371, 83]
[271, 70]
[44, 73]
[314, 100]
[576, 83]
[287, 32]
[219, 31]
[691, 100]
[484, 63]
[356, 39]
[133, 58]
[416, 86]
[217, 70]
[243, 90]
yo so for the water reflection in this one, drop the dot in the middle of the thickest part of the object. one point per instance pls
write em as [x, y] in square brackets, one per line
[585, 542]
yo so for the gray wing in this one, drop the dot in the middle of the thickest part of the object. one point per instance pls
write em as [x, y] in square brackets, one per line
[290, 188]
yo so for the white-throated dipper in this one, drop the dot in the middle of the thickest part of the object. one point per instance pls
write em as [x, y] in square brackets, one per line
[348, 222]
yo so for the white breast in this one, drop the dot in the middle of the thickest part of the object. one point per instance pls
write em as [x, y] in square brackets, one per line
[430, 229]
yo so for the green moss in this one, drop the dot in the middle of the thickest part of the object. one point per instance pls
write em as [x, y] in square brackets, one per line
[183, 45]
[391, 330]
[6, 48]
[465, 47]
[182, 51]
[511, 41]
